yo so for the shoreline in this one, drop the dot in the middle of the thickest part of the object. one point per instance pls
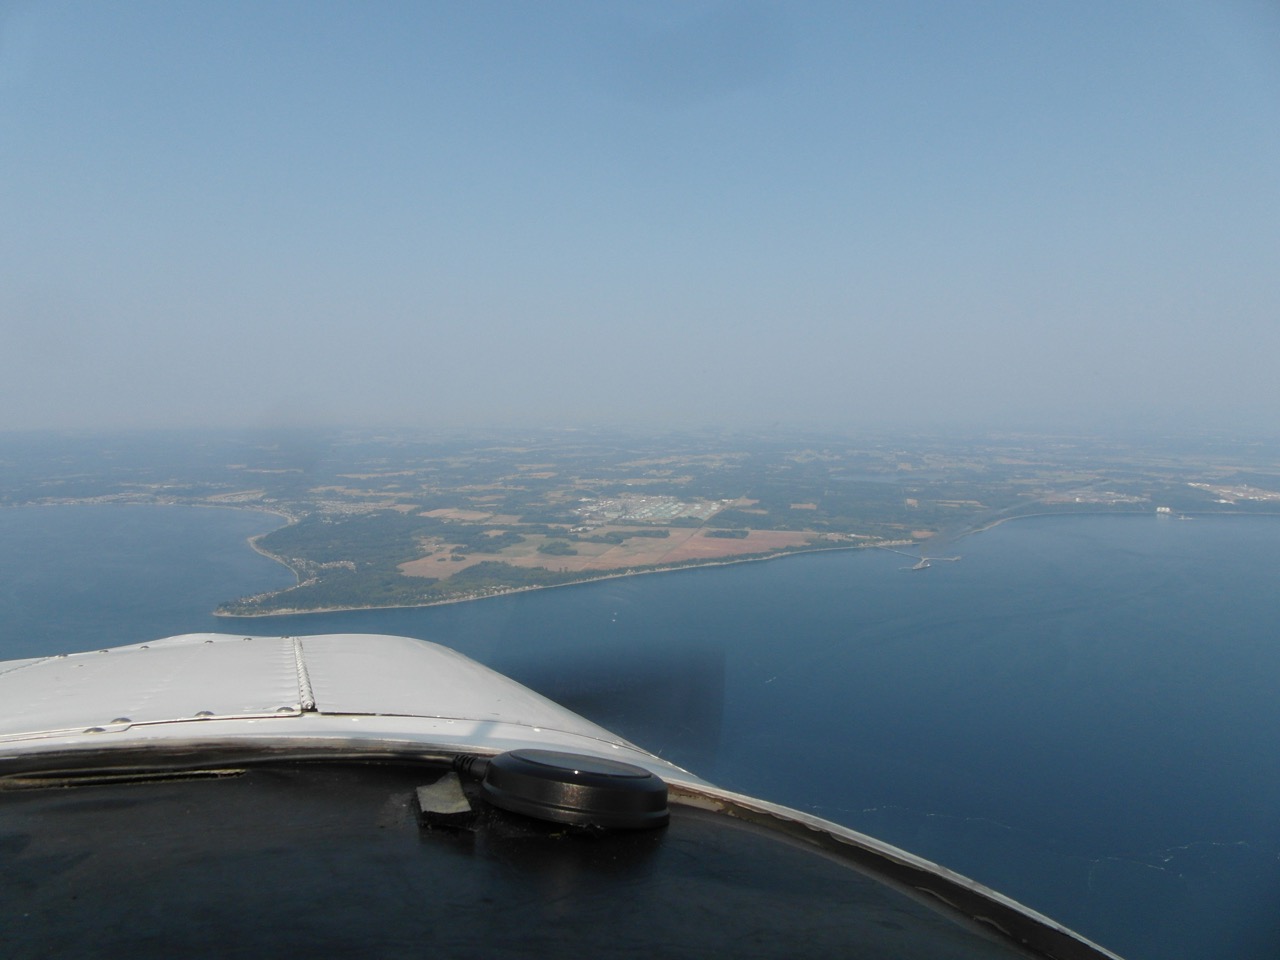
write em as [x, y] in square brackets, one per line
[1114, 513]
[723, 562]
[253, 545]
[547, 586]
[698, 565]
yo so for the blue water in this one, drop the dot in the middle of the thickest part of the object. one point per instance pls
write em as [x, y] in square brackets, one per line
[1081, 713]
[85, 577]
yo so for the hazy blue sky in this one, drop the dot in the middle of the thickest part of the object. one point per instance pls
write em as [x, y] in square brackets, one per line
[992, 213]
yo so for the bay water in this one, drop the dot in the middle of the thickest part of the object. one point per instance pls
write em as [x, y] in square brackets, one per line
[1082, 712]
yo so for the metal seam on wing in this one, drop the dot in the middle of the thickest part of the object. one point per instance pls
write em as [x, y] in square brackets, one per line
[29, 663]
[306, 695]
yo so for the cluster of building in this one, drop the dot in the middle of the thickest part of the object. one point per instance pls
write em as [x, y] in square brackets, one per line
[642, 509]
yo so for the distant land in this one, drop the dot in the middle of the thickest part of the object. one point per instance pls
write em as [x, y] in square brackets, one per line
[399, 519]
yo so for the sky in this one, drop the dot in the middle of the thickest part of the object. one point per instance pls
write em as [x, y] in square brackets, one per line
[1033, 215]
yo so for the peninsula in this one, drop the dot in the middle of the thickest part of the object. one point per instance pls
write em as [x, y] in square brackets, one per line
[402, 519]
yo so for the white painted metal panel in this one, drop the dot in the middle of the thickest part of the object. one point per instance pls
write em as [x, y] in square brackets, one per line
[397, 676]
[354, 692]
[201, 676]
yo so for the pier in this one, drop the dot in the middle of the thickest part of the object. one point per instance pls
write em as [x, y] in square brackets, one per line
[921, 562]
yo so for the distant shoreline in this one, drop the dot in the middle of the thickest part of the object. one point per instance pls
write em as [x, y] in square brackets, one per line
[618, 574]
[699, 565]
[253, 545]
[1114, 513]
[546, 586]
[252, 541]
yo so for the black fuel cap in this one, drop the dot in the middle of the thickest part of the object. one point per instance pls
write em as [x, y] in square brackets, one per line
[576, 789]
